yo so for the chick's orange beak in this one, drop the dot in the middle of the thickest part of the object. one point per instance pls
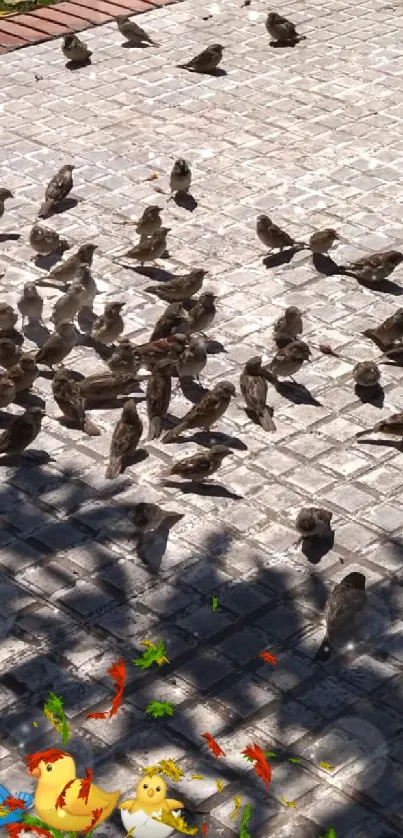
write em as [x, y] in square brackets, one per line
[150, 792]
[35, 773]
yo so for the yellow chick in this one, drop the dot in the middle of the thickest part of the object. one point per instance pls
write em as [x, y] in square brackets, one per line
[151, 797]
[57, 800]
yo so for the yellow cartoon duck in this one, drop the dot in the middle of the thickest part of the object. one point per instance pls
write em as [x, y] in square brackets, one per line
[61, 799]
[151, 801]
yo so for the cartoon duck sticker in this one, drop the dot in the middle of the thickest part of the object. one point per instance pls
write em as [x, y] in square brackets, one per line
[151, 801]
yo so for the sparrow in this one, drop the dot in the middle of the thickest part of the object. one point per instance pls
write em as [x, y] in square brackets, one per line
[9, 353]
[203, 465]
[125, 439]
[123, 358]
[22, 431]
[271, 235]
[173, 320]
[151, 249]
[66, 271]
[343, 613]
[387, 332]
[5, 194]
[85, 279]
[180, 287]
[109, 325]
[323, 240]
[7, 391]
[169, 348]
[206, 413]
[44, 240]
[287, 327]
[180, 177]
[24, 373]
[288, 360]
[67, 395]
[8, 317]
[149, 222]
[58, 345]
[75, 50]
[202, 314]
[158, 396]
[281, 29]
[206, 61]
[313, 522]
[69, 304]
[57, 190]
[106, 386]
[148, 517]
[133, 33]
[393, 426]
[366, 374]
[374, 268]
[192, 359]
[254, 390]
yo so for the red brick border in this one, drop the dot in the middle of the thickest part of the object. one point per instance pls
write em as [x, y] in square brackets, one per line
[20, 30]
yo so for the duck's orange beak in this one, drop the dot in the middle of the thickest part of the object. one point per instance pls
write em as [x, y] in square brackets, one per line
[35, 773]
[150, 792]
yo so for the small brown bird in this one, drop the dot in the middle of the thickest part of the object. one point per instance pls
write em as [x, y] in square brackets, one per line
[151, 249]
[24, 373]
[158, 396]
[272, 236]
[5, 194]
[44, 240]
[9, 353]
[180, 177]
[281, 29]
[344, 613]
[374, 268]
[66, 271]
[67, 395]
[106, 386]
[170, 348]
[387, 332]
[133, 33]
[254, 390]
[206, 61]
[22, 431]
[393, 353]
[149, 222]
[58, 345]
[366, 374]
[109, 325]
[393, 426]
[313, 522]
[206, 413]
[179, 288]
[288, 360]
[123, 358]
[85, 279]
[201, 466]
[125, 439]
[173, 320]
[57, 190]
[7, 390]
[8, 317]
[323, 240]
[75, 50]
[192, 359]
[69, 304]
[288, 327]
[202, 313]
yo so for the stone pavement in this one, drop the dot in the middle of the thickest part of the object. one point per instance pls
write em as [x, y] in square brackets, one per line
[313, 137]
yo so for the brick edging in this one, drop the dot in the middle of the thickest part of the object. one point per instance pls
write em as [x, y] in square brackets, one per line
[47, 22]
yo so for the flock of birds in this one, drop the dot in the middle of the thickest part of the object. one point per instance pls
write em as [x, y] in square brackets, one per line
[178, 344]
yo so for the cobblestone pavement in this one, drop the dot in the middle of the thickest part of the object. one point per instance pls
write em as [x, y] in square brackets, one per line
[313, 137]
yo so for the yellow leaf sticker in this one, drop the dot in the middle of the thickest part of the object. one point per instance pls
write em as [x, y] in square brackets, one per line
[237, 806]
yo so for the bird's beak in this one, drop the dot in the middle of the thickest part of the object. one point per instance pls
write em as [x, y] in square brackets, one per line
[150, 792]
[35, 773]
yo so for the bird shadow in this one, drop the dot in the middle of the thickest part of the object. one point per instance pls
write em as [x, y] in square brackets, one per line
[77, 65]
[40, 458]
[186, 201]
[156, 274]
[206, 490]
[325, 265]
[283, 44]
[129, 45]
[63, 206]
[386, 285]
[27, 399]
[151, 547]
[37, 333]
[12, 334]
[295, 393]
[314, 549]
[282, 257]
[46, 263]
[217, 438]
[111, 404]
[382, 443]
[370, 395]
[9, 237]
[217, 73]
[215, 347]
[137, 457]
[191, 389]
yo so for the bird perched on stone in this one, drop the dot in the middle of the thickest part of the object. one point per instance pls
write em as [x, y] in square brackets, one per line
[282, 30]
[67, 395]
[7, 390]
[106, 386]
[5, 194]
[123, 358]
[133, 33]
[44, 240]
[109, 325]
[387, 332]
[254, 390]
[170, 348]
[180, 177]
[344, 612]
[85, 279]
[288, 327]
[201, 466]
[151, 249]
[24, 373]
[22, 431]
[58, 345]
[67, 306]
[374, 268]
[313, 522]
[393, 426]
[57, 190]
[66, 271]
[366, 374]
[148, 517]
[202, 313]
[206, 413]
[125, 439]
[8, 317]
[192, 359]
[75, 50]
[206, 61]
[173, 320]
[272, 236]
[10, 353]
[158, 396]
[323, 240]
[179, 288]
[149, 222]
[288, 360]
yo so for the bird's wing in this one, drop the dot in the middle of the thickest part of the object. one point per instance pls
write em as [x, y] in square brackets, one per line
[75, 805]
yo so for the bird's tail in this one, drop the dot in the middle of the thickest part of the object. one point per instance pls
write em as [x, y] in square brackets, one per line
[114, 468]
[45, 209]
[90, 428]
[373, 334]
[324, 652]
[266, 420]
[154, 428]
[174, 433]
[151, 289]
